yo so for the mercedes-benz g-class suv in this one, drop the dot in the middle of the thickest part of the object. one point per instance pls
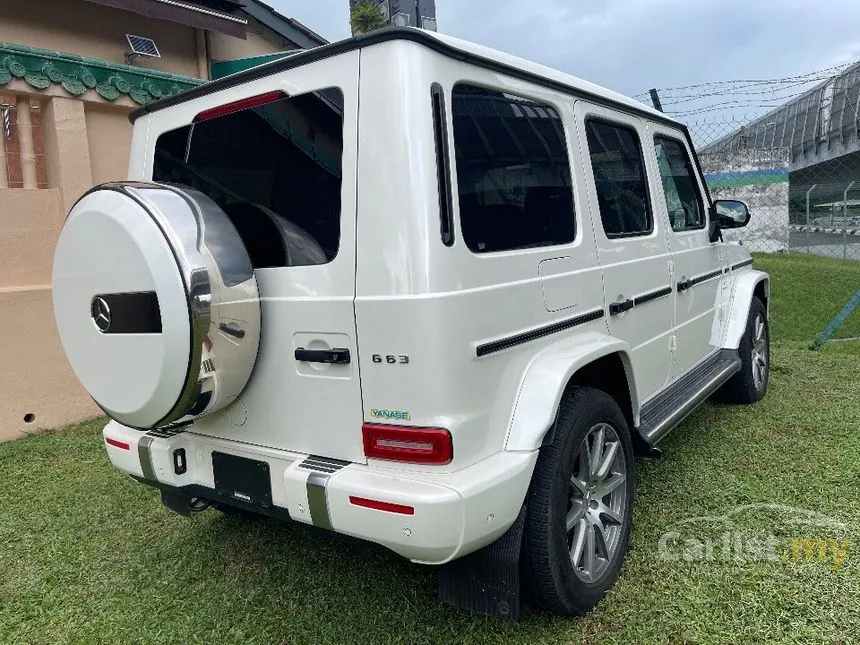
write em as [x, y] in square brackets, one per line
[416, 291]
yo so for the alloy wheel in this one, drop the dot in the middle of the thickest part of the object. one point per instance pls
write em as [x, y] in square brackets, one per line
[597, 502]
[759, 352]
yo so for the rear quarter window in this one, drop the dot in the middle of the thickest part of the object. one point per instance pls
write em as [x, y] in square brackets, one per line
[513, 171]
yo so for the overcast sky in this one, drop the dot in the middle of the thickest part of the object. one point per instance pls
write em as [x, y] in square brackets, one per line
[633, 45]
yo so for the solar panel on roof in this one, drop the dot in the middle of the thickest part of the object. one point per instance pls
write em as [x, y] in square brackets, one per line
[143, 46]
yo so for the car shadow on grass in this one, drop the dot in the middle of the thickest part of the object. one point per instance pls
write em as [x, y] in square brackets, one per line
[300, 572]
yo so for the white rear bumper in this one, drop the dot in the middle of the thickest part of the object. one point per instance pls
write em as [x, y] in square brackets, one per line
[453, 513]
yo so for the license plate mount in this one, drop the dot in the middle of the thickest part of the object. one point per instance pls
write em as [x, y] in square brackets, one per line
[243, 479]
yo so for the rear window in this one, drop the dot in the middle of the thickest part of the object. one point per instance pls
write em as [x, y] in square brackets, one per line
[274, 169]
[513, 171]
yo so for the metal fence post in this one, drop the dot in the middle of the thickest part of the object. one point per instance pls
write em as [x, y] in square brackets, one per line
[844, 244]
[845, 202]
[808, 193]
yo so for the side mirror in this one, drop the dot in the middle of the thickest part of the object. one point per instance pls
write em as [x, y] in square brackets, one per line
[729, 213]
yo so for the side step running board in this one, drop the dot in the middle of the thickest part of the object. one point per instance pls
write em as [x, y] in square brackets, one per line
[668, 409]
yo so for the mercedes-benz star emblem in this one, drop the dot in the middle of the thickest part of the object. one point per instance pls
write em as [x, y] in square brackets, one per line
[101, 314]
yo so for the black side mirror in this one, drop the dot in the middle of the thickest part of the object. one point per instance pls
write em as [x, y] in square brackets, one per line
[730, 213]
[727, 213]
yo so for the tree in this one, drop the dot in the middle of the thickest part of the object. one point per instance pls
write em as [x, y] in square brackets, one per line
[366, 16]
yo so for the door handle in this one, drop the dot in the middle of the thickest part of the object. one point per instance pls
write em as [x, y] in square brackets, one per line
[683, 285]
[333, 356]
[230, 330]
[620, 307]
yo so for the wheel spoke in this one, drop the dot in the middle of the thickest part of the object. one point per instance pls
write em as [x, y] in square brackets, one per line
[606, 462]
[610, 484]
[576, 513]
[600, 541]
[584, 463]
[578, 542]
[759, 328]
[758, 366]
[588, 557]
[607, 513]
[579, 484]
[597, 449]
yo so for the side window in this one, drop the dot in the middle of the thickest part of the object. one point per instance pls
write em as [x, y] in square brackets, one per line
[513, 171]
[683, 200]
[620, 179]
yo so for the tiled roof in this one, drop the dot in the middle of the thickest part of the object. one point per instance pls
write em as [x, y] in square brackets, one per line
[41, 68]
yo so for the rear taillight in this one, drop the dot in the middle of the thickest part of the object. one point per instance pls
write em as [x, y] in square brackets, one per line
[238, 106]
[412, 445]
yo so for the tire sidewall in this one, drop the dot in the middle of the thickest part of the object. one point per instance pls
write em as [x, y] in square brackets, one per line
[592, 407]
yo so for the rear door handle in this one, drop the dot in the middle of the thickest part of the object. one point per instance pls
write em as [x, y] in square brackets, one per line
[620, 307]
[333, 356]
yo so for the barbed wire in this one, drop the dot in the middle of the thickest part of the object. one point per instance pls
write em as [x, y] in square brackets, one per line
[809, 77]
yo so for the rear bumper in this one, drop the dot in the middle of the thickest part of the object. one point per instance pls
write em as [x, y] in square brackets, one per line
[453, 513]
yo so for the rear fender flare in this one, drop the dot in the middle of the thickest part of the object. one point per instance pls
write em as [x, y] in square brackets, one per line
[546, 378]
[739, 306]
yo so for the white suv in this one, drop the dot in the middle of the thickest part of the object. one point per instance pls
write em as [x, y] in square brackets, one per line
[416, 291]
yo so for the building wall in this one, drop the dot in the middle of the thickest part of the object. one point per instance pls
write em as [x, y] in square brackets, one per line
[760, 179]
[38, 389]
[60, 146]
[260, 40]
[85, 143]
[109, 137]
[93, 30]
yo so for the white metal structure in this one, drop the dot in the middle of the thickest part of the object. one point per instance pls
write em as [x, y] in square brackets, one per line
[477, 285]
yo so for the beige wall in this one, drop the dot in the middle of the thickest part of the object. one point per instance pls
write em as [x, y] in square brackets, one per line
[93, 30]
[109, 136]
[35, 378]
[30, 220]
[37, 386]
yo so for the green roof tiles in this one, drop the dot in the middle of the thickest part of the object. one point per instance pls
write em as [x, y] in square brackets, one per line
[41, 68]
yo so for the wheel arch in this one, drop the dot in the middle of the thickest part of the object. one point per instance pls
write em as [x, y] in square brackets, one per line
[591, 360]
[746, 286]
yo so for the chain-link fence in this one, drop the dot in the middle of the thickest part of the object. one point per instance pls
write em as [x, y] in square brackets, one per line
[788, 147]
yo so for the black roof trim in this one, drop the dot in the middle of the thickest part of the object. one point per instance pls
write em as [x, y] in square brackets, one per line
[382, 36]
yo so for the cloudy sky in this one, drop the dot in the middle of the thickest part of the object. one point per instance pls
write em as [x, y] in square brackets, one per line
[633, 45]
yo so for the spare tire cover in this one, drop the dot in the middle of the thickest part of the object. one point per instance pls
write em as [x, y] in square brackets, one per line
[156, 303]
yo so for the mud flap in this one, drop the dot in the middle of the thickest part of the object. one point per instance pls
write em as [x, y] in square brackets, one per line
[488, 580]
[177, 502]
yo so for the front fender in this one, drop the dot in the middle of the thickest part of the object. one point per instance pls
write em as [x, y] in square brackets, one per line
[739, 306]
[545, 379]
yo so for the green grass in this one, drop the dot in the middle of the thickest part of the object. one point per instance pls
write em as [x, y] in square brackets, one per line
[87, 555]
[807, 291]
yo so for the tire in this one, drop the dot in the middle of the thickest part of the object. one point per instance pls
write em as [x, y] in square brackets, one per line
[551, 577]
[750, 383]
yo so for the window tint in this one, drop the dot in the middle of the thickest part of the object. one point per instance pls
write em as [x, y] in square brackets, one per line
[275, 170]
[619, 176]
[513, 172]
[679, 185]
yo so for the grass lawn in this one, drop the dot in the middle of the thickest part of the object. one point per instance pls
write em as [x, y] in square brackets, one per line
[807, 292]
[86, 555]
